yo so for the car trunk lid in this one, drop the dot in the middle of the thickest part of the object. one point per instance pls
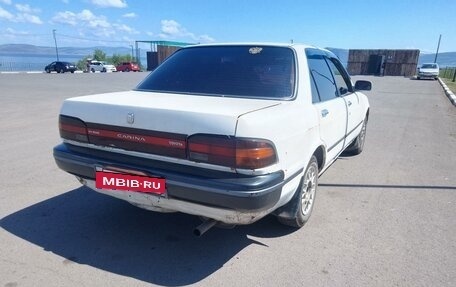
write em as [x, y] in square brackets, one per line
[157, 123]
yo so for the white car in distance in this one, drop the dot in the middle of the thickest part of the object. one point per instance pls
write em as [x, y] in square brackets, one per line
[226, 132]
[428, 71]
[101, 66]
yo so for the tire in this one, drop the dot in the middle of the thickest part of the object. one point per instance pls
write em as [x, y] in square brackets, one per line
[48, 71]
[61, 71]
[358, 144]
[419, 78]
[300, 207]
[104, 70]
[93, 70]
[127, 70]
[72, 72]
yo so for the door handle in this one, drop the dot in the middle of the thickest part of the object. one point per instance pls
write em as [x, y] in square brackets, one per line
[324, 113]
[349, 103]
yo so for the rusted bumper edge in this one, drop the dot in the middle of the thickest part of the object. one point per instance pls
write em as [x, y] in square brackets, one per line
[187, 188]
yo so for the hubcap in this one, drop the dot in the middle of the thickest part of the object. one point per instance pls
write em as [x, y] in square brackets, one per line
[309, 186]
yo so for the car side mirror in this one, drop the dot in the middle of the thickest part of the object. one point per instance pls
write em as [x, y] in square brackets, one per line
[363, 85]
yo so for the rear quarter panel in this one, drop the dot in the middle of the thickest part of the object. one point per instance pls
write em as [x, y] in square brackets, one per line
[292, 126]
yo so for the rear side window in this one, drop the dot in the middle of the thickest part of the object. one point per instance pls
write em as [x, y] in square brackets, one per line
[237, 71]
[322, 76]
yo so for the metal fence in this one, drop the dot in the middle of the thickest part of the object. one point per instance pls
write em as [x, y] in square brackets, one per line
[21, 67]
[448, 73]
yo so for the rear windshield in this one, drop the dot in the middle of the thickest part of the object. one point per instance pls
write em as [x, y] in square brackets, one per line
[237, 71]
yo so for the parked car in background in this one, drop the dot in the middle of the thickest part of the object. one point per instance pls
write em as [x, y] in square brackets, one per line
[229, 133]
[428, 71]
[127, 67]
[60, 67]
[100, 66]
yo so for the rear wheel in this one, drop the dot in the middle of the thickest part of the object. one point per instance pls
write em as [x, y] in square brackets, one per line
[301, 205]
[93, 70]
[104, 70]
[48, 71]
[357, 146]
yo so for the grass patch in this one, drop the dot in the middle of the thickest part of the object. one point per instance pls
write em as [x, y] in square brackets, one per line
[451, 85]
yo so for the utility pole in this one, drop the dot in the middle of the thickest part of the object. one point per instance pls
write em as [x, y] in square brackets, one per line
[438, 46]
[55, 41]
[132, 57]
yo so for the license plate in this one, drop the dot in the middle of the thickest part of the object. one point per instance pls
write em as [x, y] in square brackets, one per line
[130, 182]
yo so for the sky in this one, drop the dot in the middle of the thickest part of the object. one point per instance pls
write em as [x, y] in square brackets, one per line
[348, 24]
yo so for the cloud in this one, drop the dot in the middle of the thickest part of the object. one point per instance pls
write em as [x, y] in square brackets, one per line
[6, 15]
[26, 16]
[25, 8]
[171, 29]
[97, 25]
[130, 15]
[206, 39]
[110, 3]
[65, 17]
[7, 2]
[11, 31]
[125, 28]
[12, 35]
[83, 18]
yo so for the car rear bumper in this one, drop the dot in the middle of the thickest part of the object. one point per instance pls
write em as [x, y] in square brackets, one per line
[429, 76]
[227, 197]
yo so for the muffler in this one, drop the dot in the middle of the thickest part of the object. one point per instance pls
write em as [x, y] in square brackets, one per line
[203, 227]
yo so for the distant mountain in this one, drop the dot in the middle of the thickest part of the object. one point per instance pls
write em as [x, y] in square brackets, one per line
[447, 59]
[444, 59]
[17, 49]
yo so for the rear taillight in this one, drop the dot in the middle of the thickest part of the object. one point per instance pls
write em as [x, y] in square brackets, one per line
[240, 153]
[254, 153]
[72, 129]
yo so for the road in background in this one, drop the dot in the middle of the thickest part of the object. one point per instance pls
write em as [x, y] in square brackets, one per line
[384, 218]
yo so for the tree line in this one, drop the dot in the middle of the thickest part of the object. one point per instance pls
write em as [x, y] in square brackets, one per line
[99, 55]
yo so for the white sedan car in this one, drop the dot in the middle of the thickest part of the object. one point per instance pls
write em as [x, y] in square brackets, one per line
[100, 66]
[227, 132]
[428, 71]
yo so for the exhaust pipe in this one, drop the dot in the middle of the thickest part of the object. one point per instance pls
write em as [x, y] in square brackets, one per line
[203, 227]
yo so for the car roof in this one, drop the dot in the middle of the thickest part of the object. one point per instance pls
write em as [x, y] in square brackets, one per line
[276, 44]
[295, 46]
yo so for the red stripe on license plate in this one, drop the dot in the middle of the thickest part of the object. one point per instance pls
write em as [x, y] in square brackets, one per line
[128, 182]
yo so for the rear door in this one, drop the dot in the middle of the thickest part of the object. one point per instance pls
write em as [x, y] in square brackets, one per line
[331, 108]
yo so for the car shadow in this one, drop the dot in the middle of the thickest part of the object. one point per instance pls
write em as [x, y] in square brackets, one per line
[88, 228]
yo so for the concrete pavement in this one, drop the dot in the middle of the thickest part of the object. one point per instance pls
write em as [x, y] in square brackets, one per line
[384, 218]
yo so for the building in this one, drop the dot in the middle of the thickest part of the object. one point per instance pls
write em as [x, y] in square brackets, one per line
[159, 51]
[383, 62]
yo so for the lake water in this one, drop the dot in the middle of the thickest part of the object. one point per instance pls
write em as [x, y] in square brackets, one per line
[33, 62]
